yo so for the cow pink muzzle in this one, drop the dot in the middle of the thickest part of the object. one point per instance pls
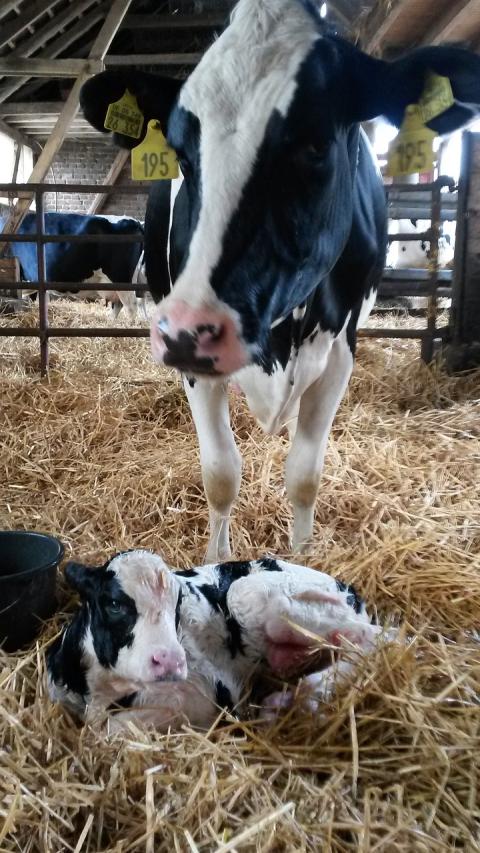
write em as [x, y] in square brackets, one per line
[196, 340]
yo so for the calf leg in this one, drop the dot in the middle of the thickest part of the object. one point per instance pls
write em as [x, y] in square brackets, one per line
[220, 460]
[304, 465]
[129, 301]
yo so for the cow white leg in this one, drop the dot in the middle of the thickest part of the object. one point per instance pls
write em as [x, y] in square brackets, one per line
[129, 301]
[304, 465]
[219, 457]
[312, 691]
[116, 308]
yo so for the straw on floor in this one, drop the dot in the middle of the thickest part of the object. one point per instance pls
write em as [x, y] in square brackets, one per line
[103, 454]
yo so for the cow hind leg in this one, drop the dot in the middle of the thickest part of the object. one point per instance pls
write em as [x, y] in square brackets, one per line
[305, 460]
[220, 460]
[129, 301]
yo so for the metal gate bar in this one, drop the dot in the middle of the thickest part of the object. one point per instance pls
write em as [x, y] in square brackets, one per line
[430, 282]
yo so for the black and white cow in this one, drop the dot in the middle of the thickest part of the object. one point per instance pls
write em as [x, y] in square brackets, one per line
[174, 646]
[275, 240]
[77, 262]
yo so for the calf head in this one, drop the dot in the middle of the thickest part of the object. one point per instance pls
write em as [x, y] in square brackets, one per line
[266, 133]
[127, 618]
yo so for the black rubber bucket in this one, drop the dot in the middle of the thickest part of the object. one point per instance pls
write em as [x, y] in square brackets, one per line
[28, 574]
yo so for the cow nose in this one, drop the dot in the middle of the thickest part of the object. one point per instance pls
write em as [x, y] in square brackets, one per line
[196, 340]
[168, 663]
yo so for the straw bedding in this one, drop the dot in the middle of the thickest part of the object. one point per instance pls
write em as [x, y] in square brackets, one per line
[103, 454]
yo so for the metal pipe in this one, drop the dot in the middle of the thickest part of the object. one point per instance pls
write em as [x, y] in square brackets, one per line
[42, 291]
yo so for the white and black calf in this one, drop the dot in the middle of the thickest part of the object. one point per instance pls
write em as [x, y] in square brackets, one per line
[267, 254]
[173, 646]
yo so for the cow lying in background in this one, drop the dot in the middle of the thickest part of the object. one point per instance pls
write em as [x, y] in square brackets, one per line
[415, 254]
[176, 646]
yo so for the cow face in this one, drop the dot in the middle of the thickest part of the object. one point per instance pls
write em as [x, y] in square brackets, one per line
[128, 610]
[266, 132]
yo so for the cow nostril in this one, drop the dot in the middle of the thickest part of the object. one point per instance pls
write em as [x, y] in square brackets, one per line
[162, 325]
[159, 658]
[209, 332]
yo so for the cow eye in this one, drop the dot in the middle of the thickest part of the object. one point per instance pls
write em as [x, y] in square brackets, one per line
[115, 608]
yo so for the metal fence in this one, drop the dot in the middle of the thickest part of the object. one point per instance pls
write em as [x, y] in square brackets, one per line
[431, 283]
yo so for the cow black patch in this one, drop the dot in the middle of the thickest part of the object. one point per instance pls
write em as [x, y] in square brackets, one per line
[270, 565]
[353, 599]
[123, 702]
[64, 657]
[187, 573]
[216, 595]
[223, 697]
[178, 609]
[111, 631]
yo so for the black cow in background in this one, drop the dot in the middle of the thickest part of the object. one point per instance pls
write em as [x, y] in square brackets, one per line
[76, 262]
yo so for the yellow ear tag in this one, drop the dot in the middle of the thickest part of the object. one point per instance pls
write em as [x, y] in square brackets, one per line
[153, 159]
[436, 98]
[124, 116]
[412, 150]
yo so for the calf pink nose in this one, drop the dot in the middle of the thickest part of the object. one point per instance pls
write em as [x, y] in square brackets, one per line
[168, 662]
[196, 340]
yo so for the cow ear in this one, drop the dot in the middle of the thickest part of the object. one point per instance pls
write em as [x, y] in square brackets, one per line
[155, 97]
[387, 88]
[79, 577]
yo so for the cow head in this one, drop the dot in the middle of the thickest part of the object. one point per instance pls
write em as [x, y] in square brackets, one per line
[266, 133]
[128, 616]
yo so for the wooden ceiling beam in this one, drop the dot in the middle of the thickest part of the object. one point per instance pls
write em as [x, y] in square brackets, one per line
[16, 135]
[111, 178]
[379, 24]
[58, 45]
[28, 16]
[174, 22]
[138, 59]
[48, 67]
[8, 6]
[463, 11]
[70, 109]
[48, 31]
[25, 108]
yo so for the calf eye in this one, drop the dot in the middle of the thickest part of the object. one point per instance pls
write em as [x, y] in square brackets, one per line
[115, 608]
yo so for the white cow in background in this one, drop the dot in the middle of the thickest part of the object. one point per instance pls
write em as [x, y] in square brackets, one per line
[119, 298]
[413, 254]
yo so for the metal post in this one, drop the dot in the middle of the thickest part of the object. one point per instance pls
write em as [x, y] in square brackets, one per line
[42, 291]
[428, 341]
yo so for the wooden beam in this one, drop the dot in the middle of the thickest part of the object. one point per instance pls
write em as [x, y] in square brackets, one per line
[136, 59]
[57, 46]
[463, 12]
[15, 134]
[379, 24]
[8, 6]
[111, 178]
[47, 67]
[28, 16]
[174, 22]
[25, 108]
[100, 46]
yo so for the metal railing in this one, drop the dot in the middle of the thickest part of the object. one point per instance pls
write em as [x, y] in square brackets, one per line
[431, 283]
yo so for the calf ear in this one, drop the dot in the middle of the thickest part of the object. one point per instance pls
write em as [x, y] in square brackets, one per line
[79, 577]
[387, 88]
[155, 98]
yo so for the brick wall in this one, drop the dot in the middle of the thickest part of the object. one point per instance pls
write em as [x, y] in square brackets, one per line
[89, 163]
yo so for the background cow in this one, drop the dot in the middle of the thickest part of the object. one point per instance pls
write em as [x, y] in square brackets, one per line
[275, 240]
[186, 643]
[77, 262]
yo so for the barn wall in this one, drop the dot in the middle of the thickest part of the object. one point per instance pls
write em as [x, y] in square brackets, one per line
[87, 163]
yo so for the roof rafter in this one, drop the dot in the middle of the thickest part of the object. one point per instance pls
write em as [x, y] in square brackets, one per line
[445, 29]
[33, 11]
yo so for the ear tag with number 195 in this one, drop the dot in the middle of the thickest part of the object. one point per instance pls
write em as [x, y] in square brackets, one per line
[412, 150]
[153, 159]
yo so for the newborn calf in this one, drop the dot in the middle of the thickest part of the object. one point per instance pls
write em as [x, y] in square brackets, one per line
[176, 646]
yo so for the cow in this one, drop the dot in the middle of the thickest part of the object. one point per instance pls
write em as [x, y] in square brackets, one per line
[132, 301]
[266, 256]
[414, 254]
[77, 262]
[168, 646]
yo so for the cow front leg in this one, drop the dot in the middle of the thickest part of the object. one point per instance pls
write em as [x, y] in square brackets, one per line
[304, 465]
[219, 457]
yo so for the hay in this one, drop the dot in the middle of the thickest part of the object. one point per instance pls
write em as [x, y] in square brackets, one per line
[103, 454]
